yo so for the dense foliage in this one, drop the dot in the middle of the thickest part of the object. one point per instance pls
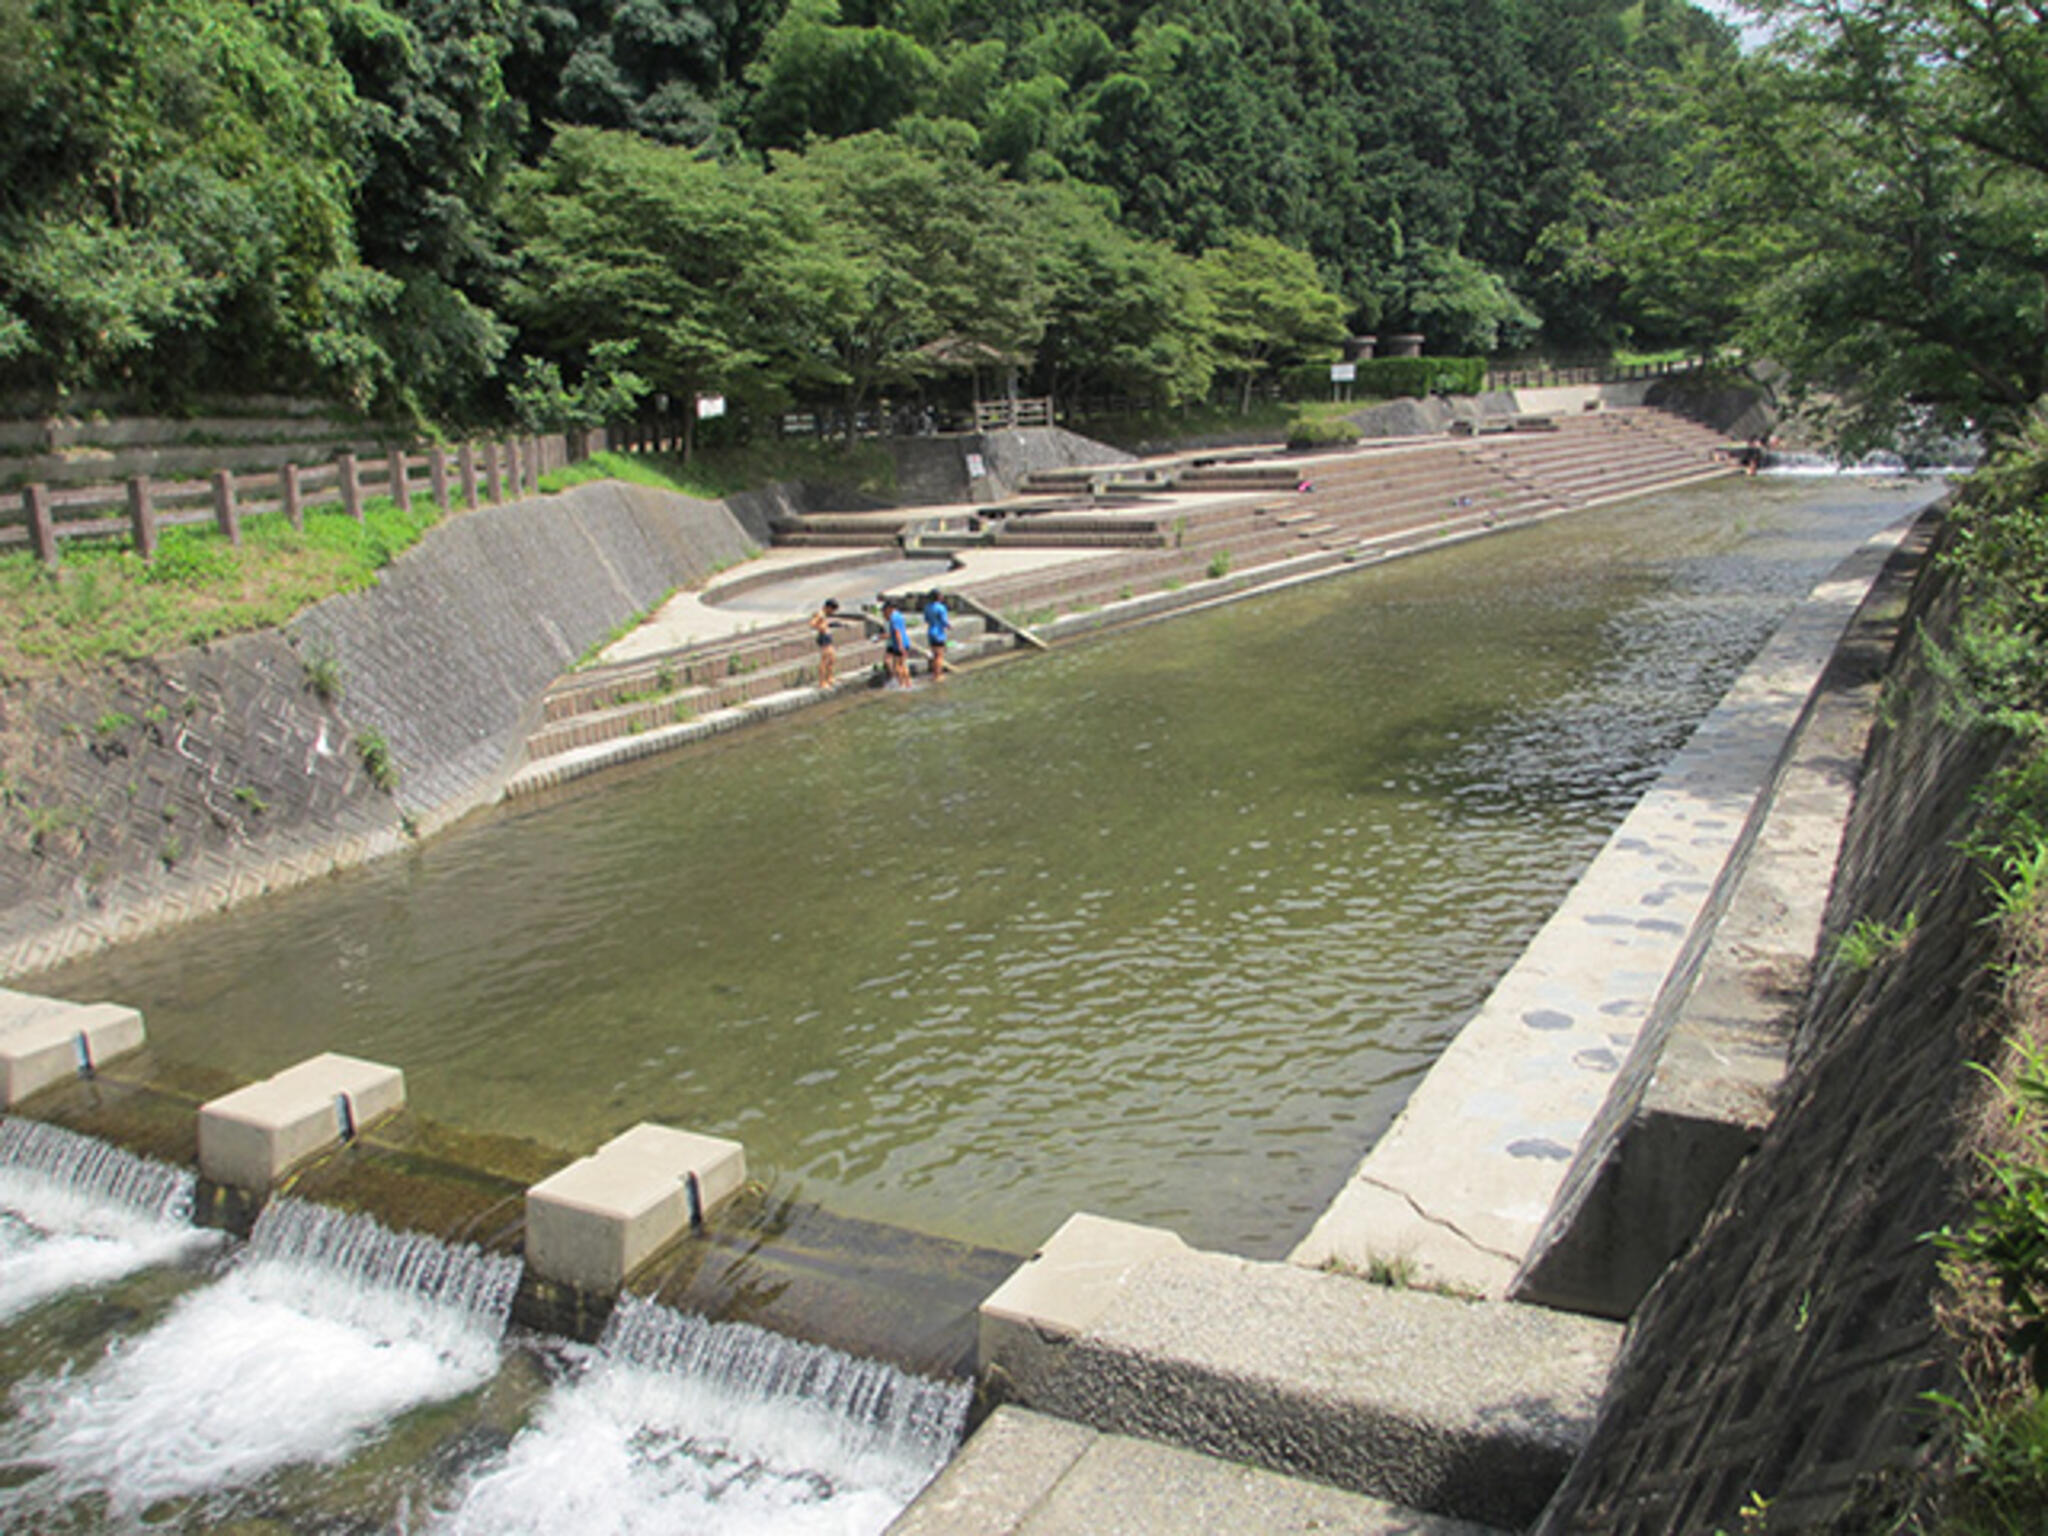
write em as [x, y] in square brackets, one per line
[409, 203]
[1863, 201]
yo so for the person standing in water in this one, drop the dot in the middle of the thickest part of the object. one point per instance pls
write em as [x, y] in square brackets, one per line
[828, 653]
[897, 643]
[938, 624]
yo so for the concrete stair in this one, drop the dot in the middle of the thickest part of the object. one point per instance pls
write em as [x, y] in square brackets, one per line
[711, 685]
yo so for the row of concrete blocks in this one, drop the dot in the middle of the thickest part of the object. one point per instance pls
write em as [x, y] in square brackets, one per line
[588, 1226]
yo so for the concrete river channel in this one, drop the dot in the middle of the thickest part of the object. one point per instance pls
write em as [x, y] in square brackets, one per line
[1162, 925]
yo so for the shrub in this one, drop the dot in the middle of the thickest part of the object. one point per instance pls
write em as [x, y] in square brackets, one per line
[1304, 432]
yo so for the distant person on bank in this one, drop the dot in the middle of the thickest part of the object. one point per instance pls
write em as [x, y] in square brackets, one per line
[938, 624]
[828, 652]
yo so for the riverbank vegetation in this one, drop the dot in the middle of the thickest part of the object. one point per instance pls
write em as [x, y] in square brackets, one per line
[421, 207]
[1994, 675]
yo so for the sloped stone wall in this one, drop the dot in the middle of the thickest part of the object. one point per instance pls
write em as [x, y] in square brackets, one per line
[183, 785]
[1784, 1359]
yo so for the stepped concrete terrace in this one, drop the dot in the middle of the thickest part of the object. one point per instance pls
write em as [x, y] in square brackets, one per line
[1081, 548]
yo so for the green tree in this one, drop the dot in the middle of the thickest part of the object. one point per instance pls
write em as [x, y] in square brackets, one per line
[1270, 305]
[177, 181]
[816, 76]
[1124, 315]
[687, 268]
[1870, 213]
[913, 249]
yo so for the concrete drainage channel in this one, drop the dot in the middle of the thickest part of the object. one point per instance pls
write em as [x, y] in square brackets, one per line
[1142, 1385]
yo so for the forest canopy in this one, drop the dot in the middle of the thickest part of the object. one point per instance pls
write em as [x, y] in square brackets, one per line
[439, 209]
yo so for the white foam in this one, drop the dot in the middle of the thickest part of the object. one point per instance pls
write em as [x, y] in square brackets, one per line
[54, 1239]
[277, 1362]
[627, 1451]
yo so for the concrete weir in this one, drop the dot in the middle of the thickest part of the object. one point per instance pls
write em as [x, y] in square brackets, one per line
[1467, 1409]
[598, 1220]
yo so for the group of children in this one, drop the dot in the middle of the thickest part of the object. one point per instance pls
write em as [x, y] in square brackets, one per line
[938, 625]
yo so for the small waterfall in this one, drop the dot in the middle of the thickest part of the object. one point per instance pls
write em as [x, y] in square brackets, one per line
[881, 1408]
[326, 1328]
[720, 1429]
[76, 1212]
[475, 1286]
[97, 1170]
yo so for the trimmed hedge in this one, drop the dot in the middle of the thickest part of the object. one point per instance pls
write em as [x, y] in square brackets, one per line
[1391, 378]
[1304, 433]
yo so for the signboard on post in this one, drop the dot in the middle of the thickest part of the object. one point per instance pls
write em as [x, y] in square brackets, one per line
[709, 406]
[1343, 373]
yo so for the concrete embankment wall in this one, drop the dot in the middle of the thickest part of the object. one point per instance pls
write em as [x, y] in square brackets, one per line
[1785, 1357]
[187, 783]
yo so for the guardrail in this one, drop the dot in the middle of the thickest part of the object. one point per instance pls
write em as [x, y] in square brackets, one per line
[142, 506]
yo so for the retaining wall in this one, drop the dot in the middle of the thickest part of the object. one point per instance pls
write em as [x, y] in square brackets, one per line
[187, 783]
[1786, 1357]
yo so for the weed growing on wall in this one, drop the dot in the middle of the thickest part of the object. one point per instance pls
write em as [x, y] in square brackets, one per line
[1993, 672]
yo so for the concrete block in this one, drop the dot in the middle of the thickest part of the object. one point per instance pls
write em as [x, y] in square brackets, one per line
[1470, 1409]
[250, 1138]
[1065, 1286]
[602, 1217]
[44, 1040]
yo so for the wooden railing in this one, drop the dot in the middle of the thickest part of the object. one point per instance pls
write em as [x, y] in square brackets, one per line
[140, 507]
[1003, 415]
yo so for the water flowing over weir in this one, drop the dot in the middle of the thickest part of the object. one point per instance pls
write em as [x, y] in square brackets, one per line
[324, 1329]
[333, 1370]
[77, 1212]
[675, 1423]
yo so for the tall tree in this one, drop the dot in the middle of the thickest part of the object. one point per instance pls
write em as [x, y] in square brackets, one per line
[175, 190]
[1871, 214]
[687, 267]
[934, 249]
[1271, 307]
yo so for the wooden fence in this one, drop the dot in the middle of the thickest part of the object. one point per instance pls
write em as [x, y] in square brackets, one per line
[472, 473]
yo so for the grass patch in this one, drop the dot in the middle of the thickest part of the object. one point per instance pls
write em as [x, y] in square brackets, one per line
[375, 752]
[104, 604]
[715, 473]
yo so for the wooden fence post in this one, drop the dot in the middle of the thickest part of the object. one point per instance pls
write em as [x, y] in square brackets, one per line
[225, 512]
[515, 471]
[294, 504]
[142, 516]
[468, 460]
[437, 472]
[42, 531]
[351, 487]
[398, 486]
[494, 473]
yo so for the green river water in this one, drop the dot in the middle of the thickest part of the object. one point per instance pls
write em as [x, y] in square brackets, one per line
[1163, 925]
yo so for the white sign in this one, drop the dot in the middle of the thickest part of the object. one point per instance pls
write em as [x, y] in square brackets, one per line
[709, 406]
[1343, 373]
[975, 467]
